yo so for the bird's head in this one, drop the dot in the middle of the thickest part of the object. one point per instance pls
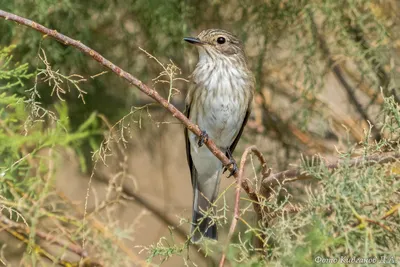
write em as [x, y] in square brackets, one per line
[214, 44]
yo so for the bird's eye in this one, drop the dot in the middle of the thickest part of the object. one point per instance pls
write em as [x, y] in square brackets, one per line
[221, 40]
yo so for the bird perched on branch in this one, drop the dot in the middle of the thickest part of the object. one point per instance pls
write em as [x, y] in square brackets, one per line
[219, 102]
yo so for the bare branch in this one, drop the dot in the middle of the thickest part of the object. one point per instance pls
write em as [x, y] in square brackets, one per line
[239, 182]
[120, 72]
[298, 174]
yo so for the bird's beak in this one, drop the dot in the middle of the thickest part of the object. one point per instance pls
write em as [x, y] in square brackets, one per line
[193, 40]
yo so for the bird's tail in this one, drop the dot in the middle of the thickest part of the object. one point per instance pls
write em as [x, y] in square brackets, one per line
[202, 227]
[202, 224]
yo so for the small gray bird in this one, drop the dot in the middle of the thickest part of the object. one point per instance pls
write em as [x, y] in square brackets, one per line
[219, 101]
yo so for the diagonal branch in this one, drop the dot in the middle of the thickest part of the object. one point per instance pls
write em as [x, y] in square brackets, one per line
[129, 78]
[120, 72]
[340, 76]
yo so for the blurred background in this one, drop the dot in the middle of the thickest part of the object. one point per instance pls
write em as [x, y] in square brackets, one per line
[323, 70]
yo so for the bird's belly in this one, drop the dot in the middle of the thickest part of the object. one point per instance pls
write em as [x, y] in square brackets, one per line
[222, 121]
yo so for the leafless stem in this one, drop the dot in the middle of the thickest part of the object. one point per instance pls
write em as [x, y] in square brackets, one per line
[239, 182]
[297, 174]
[120, 72]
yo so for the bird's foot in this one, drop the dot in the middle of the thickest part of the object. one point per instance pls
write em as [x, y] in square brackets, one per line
[234, 167]
[203, 138]
[232, 162]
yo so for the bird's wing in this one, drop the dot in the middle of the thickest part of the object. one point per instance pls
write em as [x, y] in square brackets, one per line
[189, 157]
[246, 118]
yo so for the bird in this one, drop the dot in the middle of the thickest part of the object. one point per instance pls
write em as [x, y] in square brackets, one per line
[219, 101]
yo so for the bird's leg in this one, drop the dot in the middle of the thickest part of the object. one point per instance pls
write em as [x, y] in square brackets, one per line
[232, 162]
[203, 138]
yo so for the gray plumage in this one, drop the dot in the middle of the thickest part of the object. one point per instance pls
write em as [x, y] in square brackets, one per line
[219, 101]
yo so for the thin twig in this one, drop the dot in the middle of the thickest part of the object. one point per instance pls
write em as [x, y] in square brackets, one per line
[21, 231]
[251, 149]
[130, 195]
[392, 211]
[298, 174]
[106, 231]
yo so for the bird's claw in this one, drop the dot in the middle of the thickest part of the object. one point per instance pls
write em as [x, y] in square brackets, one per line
[232, 162]
[203, 138]
[234, 168]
